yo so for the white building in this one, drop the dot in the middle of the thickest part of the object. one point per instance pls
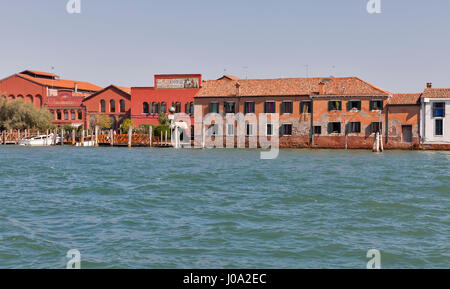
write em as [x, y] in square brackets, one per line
[435, 115]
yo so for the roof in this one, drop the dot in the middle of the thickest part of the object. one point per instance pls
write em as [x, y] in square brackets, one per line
[230, 77]
[39, 73]
[125, 90]
[405, 98]
[436, 93]
[62, 83]
[345, 86]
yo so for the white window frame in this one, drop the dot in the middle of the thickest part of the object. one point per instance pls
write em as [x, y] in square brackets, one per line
[382, 102]
[267, 125]
[228, 129]
[274, 106]
[434, 127]
[252, 131]
[292, 128]
[292, 105]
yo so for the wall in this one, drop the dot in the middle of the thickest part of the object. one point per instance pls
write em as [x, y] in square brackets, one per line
[428, 122]
[15, 87]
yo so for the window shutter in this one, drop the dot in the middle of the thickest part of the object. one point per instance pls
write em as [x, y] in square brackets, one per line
[265, 107]
[330, 106]
[371, 105]
[330, 128]
[382, 105]
[283, 104]
[359, 105]
[349, 105]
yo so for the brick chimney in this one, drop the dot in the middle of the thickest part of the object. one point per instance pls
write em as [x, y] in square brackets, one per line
[321, 87]
[429, 85]
[76, 87]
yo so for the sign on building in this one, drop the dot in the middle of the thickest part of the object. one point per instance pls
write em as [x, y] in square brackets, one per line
[177, 83]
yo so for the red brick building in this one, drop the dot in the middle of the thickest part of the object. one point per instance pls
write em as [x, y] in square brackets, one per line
[173, 90]
[113, 101]
[62, 97]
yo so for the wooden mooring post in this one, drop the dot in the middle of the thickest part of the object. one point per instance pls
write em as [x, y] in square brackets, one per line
[150, 136]
[62, 137]
[74, 142]
[96, 136]
[4, 137]
[130, 136]
[82, 138]
[111, 137]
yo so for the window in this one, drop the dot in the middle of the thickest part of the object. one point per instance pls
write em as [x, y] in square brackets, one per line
[305, 107]
[354, 127]
[72, 114]
[177, 107]
[439, 127]
[80, 115]
[286, 107]
[58, 114]
[145, 107]
[377, 127]
[249, 107]
[187, 107]
[354, 105]
[229, 107]
[249, 129]
[122, 105]
[317, 130]
[66, 115]
[164, 107]
[334, 105]
[439, 109]
[230, 129]
[191, 108]
[112, 106]
[269, 130]
[102, 105]
[376, 105]
[286, 129]
[334, 127]
[269, 107]
[214, 107]
[155, 107]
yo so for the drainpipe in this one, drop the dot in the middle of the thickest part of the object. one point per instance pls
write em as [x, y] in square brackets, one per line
[311, 132]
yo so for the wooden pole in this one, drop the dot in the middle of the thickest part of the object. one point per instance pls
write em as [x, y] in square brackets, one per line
[18, 136]
[381, 143]
[111, 136]
[62, 137]
[82, 137]
[130, 132]
[203, 136]
[165, 139]
[96, 135]
[161, 139]
[150, 136]
[4, 137]
[74, 142]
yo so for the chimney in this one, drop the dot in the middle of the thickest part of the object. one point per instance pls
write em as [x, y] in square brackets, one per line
[76, 87]
[429, 85]
[238, 91]
[321, 88]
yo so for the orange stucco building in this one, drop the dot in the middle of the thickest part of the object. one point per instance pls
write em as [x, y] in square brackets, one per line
[315, 112]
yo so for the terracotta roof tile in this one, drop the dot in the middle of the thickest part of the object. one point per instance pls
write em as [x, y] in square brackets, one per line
[289, 86]
[62, 83]
[404, 98]
[436, 93]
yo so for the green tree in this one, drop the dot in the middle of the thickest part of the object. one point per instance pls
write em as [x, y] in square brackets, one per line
[163, 119]
[20, 115]
[126, 124]
[103, 121]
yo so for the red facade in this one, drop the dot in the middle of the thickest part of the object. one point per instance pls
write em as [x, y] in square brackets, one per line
[174, 90]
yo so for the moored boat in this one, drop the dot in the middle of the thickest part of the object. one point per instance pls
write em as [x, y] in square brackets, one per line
[41, 140]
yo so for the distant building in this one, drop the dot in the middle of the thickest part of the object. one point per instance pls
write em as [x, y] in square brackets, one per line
[435, 116]
[314, 112]
[62, 97]
[170, 90]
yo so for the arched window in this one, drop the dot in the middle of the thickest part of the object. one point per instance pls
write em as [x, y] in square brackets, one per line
[191, 110]
[38, 100]
[80, 115]
[29, 98]
[102, 105]
[72, 114]
[178, 107]
[66, 115]
[145, 107]
[112, 105]
[58, 114]
[164, 107]
[53, 114]
[122, 105]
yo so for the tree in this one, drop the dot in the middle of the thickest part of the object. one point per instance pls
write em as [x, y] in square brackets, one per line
[103, 121]
[163, 119]
[20, 115]
[126, 124]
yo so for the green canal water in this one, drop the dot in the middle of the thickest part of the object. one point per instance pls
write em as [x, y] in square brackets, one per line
[164, 208]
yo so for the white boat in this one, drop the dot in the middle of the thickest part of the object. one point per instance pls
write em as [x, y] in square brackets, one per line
[89, 143]
[41, 140]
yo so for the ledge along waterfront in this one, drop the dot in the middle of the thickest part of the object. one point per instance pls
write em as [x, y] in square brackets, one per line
[153, 208]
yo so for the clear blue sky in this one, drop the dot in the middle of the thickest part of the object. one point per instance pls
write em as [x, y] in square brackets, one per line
[126, 42]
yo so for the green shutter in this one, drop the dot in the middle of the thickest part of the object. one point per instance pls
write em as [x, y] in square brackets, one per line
[330, 106]
[371, 105]
[359, 105]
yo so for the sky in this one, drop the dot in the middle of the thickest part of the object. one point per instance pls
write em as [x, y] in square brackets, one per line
[126, 42]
